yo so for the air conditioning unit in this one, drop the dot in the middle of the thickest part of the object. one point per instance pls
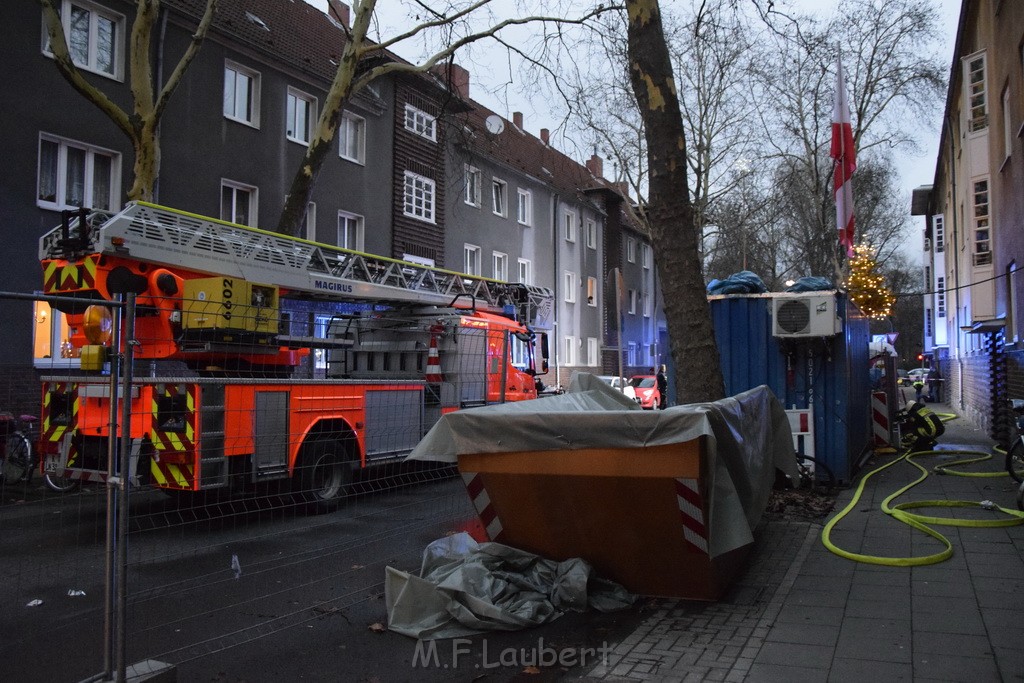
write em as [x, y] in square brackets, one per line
[805, 315]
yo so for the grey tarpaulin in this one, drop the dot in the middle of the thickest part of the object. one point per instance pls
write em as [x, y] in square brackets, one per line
[467, 587]
[748, 438]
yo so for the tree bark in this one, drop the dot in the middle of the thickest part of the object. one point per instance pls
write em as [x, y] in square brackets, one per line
[670, 212]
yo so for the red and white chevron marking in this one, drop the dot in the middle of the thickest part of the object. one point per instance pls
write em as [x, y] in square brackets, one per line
[691, 505]
[880, 418]
[482, 503]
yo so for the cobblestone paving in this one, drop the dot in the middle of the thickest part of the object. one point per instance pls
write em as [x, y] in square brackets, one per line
[685, 640]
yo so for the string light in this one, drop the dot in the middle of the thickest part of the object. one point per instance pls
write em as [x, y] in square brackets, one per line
[866, 287]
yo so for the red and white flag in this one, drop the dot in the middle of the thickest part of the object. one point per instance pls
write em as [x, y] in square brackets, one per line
[845, 158]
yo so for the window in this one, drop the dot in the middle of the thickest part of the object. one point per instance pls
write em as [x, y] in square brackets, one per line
[499, 194]
[352, 138]
[591, 234]
[309, 222]
[471, 259]
[94, 37]
[1011, 302]
[420, 122]
[592, 291]
[238, 203]
[645, 255]
[631, 250]
[976, 93]
[499, 266]
[929, 333]
[646, 298]
[73, 174]
[592, 351]
[525, 271]
[300, 115]
[472, 183]
[51, 338]
[241, 94]
[940, 297]
[631, 354]
[569, 226]
[570, 351]
[982, 245]
[570, 287]
[419, 197]
[632, 302]
[350, 231]
[1007, 124]
[524, 211]
[939, 229]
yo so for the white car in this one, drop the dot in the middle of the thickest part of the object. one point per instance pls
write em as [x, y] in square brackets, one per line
[620, 383]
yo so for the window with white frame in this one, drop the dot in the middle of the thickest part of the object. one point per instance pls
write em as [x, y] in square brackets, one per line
[645, 255]
[592, 352]
[74, 174]
[939, 229]
[940, 297]
[499, 266]
[591, 234]
[1011, 301]
[632, 301]
[525, 271]
[631, 354]
[238, 203]
[499, 197]
[592, 291]
[94, 36]
[419, 197]
[309, 222]
[241, 94]
[982, 227]
[646, 299]
[928, 326]
[524, 209]
[51, 338]
[352, 138]
[350, 231]
[421, 123]
[569, 225]
[570, 287]
[471, 259]
[471, 180]
[976, 93]
[299, 117]
[570, 351]
[631, 250]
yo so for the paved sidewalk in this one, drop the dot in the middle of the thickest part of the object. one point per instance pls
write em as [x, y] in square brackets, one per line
[802, 613]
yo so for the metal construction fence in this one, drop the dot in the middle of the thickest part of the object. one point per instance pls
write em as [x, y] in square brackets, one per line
[173, 510]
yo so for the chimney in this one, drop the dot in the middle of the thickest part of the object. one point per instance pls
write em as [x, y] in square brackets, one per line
[596, 166]
[339, 11]
[455, 78]
[544, 135]
[517, 119]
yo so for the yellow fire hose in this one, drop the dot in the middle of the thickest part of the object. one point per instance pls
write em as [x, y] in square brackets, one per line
[921, 522]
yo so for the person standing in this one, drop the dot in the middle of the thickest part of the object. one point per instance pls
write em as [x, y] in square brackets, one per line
[662, 388]
[935, 384]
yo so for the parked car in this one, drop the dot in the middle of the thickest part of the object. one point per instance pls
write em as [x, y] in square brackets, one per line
[619, 383]
[902, 377]
[917, 374]
[647, 394]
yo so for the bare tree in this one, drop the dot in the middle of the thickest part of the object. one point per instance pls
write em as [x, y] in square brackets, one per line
[669, 209]
[142, 124]
[364, 61]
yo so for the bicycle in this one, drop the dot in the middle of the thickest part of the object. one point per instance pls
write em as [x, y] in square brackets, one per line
[1015, 453]
[18, 457]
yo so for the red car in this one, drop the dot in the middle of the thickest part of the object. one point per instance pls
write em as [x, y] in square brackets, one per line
[646, 387]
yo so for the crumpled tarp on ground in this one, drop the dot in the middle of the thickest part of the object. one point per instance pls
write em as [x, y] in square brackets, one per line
[467, 587]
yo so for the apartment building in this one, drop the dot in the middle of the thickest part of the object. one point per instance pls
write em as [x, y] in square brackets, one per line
[974, 218]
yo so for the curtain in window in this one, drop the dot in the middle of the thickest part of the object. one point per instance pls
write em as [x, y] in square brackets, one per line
[101, 175]
[74, 189]
[48, 171]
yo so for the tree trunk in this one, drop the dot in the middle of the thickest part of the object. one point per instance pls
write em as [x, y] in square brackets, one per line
[670, 213]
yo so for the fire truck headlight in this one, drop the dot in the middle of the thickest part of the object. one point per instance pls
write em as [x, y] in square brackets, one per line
[97, 324]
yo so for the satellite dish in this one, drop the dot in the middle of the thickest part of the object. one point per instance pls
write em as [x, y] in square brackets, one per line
[494, 124]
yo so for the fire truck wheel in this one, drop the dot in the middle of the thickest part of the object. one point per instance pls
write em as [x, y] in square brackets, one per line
[326, 475]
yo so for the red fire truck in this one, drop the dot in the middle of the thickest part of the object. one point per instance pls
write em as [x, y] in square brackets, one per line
[264, 358]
